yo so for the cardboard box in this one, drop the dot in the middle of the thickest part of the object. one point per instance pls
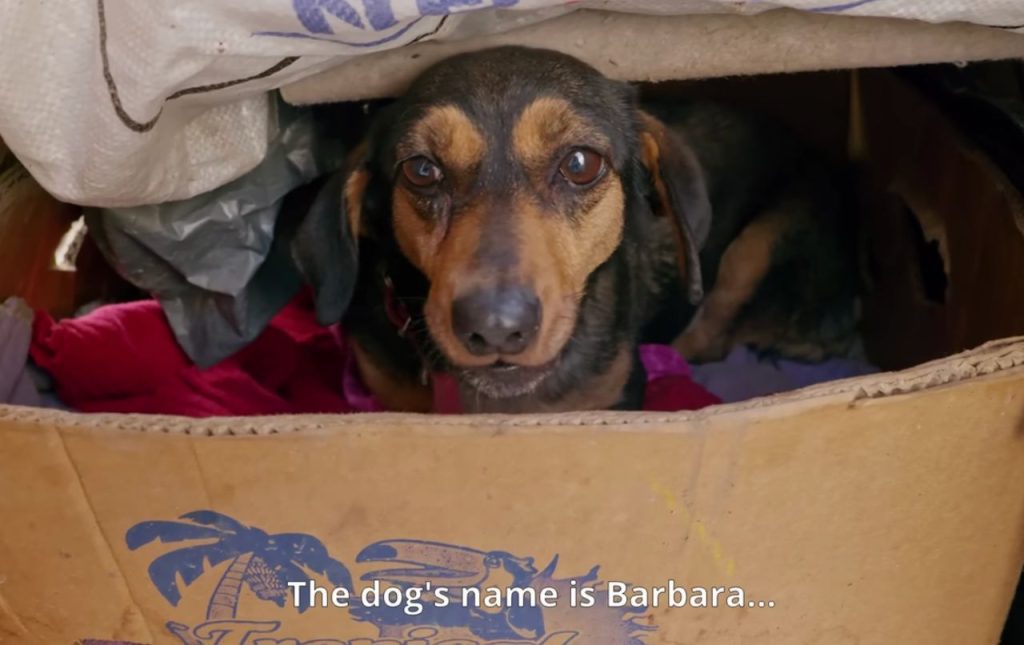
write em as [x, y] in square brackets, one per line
[874, 511]
[878, 510]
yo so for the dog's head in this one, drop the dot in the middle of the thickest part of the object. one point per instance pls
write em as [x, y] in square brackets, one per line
[508, 177]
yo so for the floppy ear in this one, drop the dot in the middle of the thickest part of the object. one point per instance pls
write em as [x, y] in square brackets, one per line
[325, 248]
[678, 182]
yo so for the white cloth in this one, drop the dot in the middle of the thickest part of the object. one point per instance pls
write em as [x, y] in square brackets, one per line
[127, 102]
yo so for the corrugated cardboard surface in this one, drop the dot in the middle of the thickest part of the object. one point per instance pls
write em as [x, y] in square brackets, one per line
[873, 511]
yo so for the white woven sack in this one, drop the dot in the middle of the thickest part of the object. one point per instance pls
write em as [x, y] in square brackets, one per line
[127, 102]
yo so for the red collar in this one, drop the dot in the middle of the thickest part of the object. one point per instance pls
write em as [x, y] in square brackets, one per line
[443, 386]
[400, 317]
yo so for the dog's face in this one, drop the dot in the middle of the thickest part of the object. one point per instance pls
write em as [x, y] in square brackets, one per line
[506, 192]
[506, 178]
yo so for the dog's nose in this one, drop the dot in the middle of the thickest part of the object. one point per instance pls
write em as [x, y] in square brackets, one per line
[496, 321]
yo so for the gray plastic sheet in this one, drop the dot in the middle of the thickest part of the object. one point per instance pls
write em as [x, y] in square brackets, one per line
[219, 262]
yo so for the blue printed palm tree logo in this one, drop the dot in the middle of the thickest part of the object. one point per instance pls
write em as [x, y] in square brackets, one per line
[263, 562]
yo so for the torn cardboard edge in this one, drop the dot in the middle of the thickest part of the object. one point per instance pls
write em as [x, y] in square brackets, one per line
[996, 358]
[687, 46]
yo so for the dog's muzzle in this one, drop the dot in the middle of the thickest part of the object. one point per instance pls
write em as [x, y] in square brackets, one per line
[501, 321]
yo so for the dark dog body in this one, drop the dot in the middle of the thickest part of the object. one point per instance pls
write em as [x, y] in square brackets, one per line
[521, 223]
[779, 262]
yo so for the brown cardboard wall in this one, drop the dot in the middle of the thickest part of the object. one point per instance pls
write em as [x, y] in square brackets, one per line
[866, 514]
[923, 174]
[58, 579]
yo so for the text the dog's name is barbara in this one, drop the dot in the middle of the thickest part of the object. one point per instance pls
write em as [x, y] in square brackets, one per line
[412, 599]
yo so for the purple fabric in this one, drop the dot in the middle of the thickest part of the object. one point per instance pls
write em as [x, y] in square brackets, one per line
[742, 375]
[663, 360]
[356, 392]
[16, 385]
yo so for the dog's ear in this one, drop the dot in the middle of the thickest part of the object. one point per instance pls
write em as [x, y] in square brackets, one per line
[678, 183]
[325, 248]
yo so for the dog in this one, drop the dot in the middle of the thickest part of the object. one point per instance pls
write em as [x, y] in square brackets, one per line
[522, 223]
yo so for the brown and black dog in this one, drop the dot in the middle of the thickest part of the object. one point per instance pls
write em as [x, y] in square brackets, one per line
[523, 224]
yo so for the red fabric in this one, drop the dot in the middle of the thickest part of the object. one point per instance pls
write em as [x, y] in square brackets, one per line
[124, 358]
[446, 394]
[676, 392]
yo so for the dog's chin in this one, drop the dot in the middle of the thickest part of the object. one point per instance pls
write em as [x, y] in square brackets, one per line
[504, 380]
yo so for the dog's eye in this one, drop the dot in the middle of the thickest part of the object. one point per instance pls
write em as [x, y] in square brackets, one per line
[421, 172]
[582, 167]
